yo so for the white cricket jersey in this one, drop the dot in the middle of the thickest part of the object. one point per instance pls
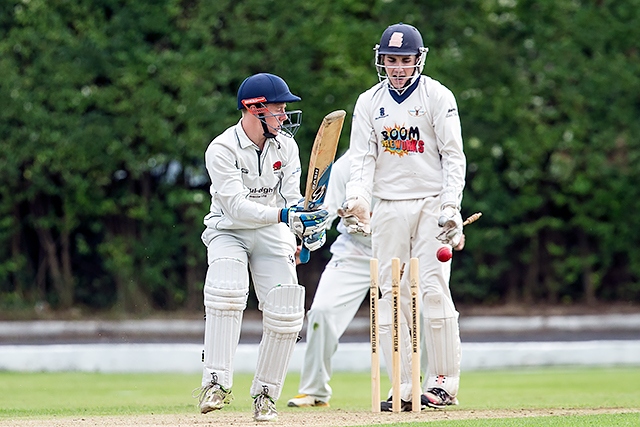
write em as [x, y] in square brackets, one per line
[407, 147]
[248, 186]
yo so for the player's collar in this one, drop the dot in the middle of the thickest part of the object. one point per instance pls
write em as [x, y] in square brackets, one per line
[408, 91]
[241, 136]
[245, 142]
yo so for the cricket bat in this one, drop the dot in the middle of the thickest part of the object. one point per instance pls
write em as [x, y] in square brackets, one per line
[323, 154]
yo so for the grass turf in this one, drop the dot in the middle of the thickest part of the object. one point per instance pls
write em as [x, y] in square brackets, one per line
[73, 394]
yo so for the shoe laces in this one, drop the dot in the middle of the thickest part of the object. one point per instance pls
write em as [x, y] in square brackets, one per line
[200, 393]
[264, 404]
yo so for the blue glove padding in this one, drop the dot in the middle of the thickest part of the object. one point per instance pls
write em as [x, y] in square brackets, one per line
[315, 241]
[303, 223]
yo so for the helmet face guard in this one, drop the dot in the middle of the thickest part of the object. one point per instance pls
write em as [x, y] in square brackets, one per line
[261, 89]
[405, 40]
[288, 127]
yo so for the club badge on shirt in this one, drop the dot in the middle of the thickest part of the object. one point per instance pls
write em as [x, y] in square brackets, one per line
[382, 114]
[417, 111]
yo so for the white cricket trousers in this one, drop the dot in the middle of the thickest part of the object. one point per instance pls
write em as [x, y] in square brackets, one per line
[405, 229]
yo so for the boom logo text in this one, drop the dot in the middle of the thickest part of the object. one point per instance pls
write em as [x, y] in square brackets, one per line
[400, 140]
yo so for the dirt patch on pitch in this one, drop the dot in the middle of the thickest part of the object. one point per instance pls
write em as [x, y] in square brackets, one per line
[323, 418]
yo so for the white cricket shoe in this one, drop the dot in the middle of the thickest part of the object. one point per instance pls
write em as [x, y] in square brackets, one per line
[212, 396]
[305, 401]
[264, 408]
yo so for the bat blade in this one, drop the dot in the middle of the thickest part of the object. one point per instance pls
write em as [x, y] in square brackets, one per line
[323, 154]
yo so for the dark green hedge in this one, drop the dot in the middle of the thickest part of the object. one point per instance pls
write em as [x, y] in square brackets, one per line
[107, 107]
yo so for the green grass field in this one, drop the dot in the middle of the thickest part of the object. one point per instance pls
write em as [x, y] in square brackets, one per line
[24, 395]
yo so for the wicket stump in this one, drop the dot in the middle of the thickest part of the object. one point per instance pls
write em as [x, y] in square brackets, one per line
[396, 278]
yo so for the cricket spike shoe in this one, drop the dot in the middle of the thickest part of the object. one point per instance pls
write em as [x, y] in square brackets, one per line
[438, 398]
[405, 406]
[264, 407]
[212, 396]
[305, 401]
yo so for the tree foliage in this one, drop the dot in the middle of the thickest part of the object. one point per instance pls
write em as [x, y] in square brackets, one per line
[108, 106]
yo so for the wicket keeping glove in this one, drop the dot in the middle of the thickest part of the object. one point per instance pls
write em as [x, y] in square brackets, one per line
[356, 215]
[304, 223]
[451, 222]
[315, 241]
[356, 210]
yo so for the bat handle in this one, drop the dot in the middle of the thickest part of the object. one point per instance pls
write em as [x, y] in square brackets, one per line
[304, 255]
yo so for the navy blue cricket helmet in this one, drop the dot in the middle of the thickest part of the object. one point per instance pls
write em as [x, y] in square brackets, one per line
[261, 89]
[400, 39]
[271, 88]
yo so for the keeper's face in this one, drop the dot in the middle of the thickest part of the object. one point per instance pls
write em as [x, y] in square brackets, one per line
[399, 69]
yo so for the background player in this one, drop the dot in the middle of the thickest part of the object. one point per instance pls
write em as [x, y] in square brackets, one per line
[254, 167]
[406, 150]
[342, 287]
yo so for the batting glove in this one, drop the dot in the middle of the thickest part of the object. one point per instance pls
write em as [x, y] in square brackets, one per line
[304, 223]
[451, 222]
[315, 241]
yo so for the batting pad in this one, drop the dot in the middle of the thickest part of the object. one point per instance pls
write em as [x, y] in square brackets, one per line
[442, 338]
[226, 286]
[225, 298]
[282, 319]
[385, 333]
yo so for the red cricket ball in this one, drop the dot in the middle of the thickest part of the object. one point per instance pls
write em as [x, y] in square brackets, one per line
[444, 254]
